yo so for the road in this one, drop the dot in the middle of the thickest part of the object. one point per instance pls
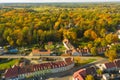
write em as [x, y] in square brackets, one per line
[38, 57]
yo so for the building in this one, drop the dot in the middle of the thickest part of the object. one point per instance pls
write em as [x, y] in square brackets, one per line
[1, 51]
[75, 53]
[106, 76]
[117, 63]
[118, 33]
[37, 52]
[108, 66]
[82, 73]
[21, 72]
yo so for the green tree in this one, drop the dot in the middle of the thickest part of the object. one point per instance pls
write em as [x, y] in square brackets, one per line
[109, 38]
[89, 77]
[93, 51]
[99, 72]
[111, 54]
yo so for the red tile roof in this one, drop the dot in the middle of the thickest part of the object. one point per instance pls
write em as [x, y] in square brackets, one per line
[90, 70]
[109, 65]
[82, 73]
[117, 63]
[41, 52]
[68, 61]
[17, 70]
[12, 72]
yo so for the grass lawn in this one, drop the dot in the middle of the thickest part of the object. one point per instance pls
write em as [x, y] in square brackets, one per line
[8, 64]
[84, 61]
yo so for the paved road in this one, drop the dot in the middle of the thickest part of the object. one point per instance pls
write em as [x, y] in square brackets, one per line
[38, 57]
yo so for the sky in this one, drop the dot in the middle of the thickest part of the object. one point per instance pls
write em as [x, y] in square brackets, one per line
[42, 1]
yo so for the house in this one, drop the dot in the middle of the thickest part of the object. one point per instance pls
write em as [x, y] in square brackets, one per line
[67, 44]
[82, 73]
[108, 66]
[84, 51]
[117, 63]
[79, 75]
[101, 50]
[106, 76]
[22, 71]
[91, 71]
[1, 51]
[75, 53]
[37, 52]
[118, 33]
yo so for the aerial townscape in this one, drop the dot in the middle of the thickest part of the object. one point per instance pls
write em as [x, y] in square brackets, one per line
[60, 40]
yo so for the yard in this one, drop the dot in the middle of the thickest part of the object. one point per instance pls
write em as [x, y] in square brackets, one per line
[82, 62]
[9, 63]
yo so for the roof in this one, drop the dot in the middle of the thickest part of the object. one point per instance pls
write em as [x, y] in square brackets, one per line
[82, 73]
[11, 72]
[17, 70]
[90, 70]
[109, 65]
[37, 51]
[68, 61]
[117, 63]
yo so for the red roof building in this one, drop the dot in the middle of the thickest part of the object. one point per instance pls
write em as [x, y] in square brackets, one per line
[109, 65]
[117, 63]
[37, 52]
[82, 73]
[23, 70]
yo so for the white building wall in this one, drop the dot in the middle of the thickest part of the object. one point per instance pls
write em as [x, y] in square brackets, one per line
[42, 72]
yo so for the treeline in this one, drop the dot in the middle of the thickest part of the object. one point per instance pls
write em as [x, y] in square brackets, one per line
[21, 27]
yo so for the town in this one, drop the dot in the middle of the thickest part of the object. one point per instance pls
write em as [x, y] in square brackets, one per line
[60, 41]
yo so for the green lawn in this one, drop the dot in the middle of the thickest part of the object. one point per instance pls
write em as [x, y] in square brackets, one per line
[8, 64]
[84, 62]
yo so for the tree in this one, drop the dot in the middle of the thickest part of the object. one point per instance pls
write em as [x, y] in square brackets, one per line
[90, 45]
[103, 32]
[109, 38]
[111, 54]
[93, 51]
[99, 72]
[56, 26]
[90, 34]
[89, 77]
[103, 43]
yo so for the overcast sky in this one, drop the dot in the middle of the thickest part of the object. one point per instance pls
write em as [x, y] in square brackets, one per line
[11, 1]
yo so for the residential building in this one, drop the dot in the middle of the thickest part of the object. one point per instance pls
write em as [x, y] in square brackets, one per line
[37, 52]
[117, 63]
[82, 73]
[106, 76]
[108, 66]
[21, 72]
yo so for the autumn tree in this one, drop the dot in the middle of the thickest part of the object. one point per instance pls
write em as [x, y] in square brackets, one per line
[90, 34]
[93, 51]
[111, 54]
[89, 77]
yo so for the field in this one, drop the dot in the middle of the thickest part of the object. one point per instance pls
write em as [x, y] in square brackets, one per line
[8, 64]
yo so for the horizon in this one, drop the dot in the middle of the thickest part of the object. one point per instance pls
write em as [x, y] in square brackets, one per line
[58, 1]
